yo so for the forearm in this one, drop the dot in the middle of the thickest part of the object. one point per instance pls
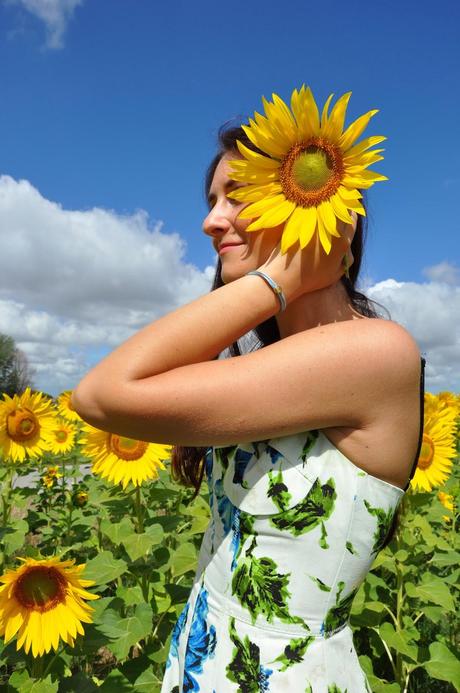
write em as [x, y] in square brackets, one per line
[191, 334]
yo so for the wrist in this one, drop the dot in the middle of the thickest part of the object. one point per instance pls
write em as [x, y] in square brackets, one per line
[274, 286]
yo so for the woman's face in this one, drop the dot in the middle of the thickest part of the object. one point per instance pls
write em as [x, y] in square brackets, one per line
[239, 251]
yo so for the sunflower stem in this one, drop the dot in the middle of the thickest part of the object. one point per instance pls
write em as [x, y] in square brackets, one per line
[400, 669]
[37, 668]
[139, 510]
[50, 663]
[6, 504]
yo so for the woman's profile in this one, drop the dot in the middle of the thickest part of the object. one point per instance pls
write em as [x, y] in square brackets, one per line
[307, 444]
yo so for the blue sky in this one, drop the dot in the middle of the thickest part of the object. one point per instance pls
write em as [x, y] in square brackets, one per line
[115, 105]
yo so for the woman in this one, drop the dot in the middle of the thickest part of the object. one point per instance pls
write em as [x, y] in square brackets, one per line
[310, 441]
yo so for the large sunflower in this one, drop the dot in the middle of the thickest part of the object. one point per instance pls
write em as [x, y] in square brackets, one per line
[41, 602]
[438, 445]
[25, 420]
[310, 171]
[120, 459]
[61, 438]
[65, 408]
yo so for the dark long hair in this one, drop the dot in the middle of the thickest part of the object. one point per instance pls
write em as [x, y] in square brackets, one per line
[188, 463]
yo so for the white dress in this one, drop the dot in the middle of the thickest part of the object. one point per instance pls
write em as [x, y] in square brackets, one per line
[295, 527]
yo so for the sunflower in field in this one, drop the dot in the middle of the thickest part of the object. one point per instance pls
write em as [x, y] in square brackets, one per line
[25, 420]
[438, 445]
[65, 408]
[62, 438]
[447, 501]
[120, 459]
[42, 601]
[51, 477]
[310, 170]
[451, 400]
[80, 499]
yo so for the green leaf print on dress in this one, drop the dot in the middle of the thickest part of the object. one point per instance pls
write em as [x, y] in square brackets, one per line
[338, 615]
[316, 507]
[278, 491]
[262, 590]
[310, 440]
[294, 652]
[245, 668]
[322, 585]
[223, 455]
[384, 520]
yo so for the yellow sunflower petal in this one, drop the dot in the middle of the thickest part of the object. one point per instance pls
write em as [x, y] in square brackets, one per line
[262, 137]
[273, 217]
[324, 237]
[365, 158]
[356, 206]
[324, 117]
[14, 622]
[257, 208]
[308, 217]
[327, 217]
[340, 209]
[245, 172]
[281, 125]
[334, 127]
[364, 145]
[254, 193]
[355, 130]
[307, 114]
[259, 160]
[349, 193]
[364, 180]
[285, 116]
[291, 231]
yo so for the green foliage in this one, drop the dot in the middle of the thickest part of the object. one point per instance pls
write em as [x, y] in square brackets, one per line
[140, 547]
[404, 614]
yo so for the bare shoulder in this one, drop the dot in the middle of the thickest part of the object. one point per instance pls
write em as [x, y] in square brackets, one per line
[395, 348]
[382, 349]
[385, 441]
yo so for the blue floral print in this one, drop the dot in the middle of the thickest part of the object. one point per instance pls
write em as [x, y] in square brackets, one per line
[177, 631]
[201, 643]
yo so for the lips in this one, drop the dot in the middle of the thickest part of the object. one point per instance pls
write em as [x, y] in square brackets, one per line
[224, 246]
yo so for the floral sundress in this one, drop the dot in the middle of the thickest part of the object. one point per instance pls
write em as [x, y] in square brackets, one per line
[295, 527]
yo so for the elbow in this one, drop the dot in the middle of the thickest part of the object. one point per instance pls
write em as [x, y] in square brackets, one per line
[86, 402]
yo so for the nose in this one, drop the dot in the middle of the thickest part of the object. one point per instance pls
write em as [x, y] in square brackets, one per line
[216, 222]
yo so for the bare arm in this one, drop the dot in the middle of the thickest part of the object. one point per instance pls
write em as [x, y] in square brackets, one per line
[161, 385]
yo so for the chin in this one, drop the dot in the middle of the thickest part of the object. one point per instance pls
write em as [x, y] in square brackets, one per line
[230, 274]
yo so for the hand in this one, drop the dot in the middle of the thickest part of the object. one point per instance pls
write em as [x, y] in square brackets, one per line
[311, 269]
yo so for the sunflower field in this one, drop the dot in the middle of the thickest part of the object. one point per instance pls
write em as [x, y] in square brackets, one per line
[98, 548]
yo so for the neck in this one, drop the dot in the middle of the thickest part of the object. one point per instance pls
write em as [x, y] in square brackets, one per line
[327, 305]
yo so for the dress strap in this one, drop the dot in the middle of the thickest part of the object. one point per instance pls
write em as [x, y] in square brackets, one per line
[422, 413]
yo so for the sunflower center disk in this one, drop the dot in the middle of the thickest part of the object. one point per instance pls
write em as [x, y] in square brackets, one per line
[311, 172]
[40, 588]
[22, 425]
[127, 448]
[311, 169]
[61, 436]
[426, 453]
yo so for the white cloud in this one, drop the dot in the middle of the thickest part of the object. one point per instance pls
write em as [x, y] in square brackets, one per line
[76, 283]
[443, 272]
[56, 15]
[430, 312]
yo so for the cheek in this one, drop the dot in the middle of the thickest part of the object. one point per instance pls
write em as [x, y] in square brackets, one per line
[265, 241]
